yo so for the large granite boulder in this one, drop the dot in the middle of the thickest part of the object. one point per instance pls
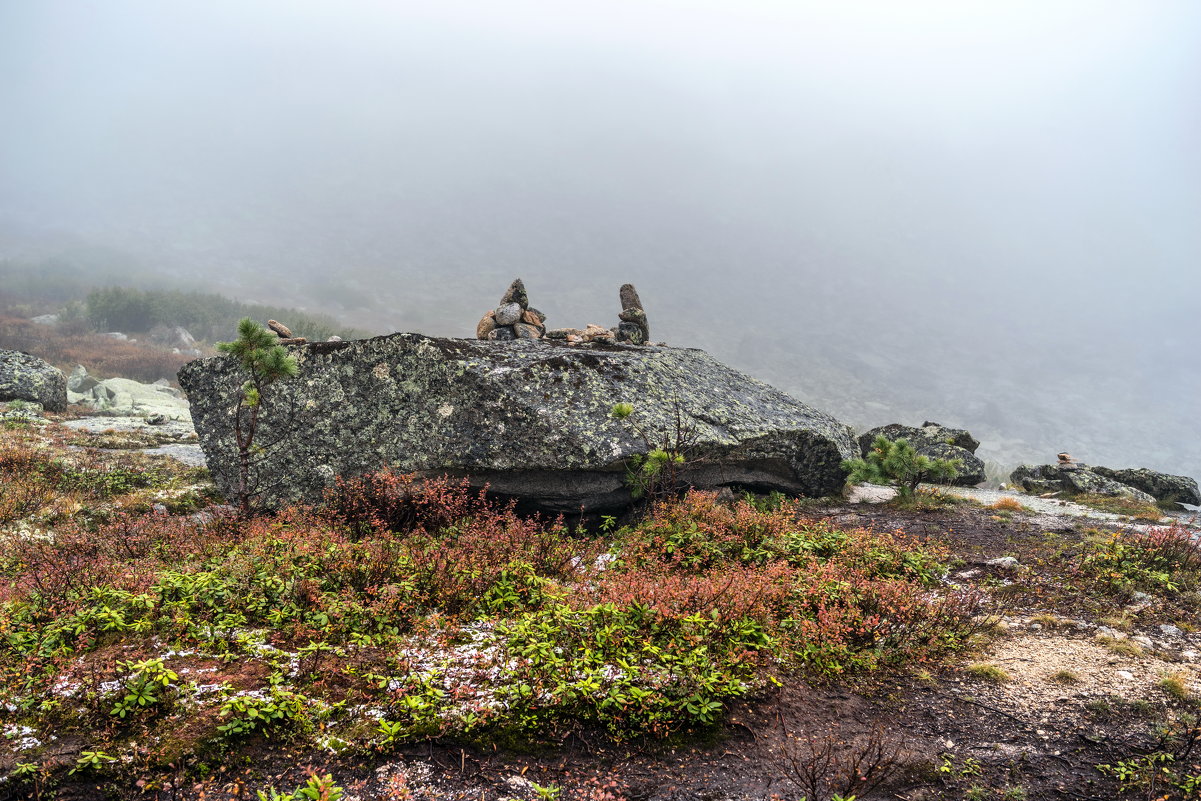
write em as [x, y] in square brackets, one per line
[1073, 478]
[532, 419]
[28, 378]
[937, 442]
[1161, 486]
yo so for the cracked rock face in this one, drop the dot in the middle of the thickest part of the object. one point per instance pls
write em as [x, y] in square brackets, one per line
[529, 418]
[28, 378]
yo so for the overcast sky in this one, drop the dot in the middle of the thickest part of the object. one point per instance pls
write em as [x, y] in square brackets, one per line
[1005, 172]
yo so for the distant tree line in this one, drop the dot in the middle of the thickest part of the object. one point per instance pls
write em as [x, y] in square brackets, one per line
[91, 298]
[206, 315]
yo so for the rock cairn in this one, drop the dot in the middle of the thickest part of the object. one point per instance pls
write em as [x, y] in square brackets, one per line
[632, 329]
[285, 333]
[513, 318]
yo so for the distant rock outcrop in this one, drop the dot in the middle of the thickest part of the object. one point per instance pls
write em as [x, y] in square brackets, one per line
[937, 442]
[1073, 478]
[1160, 486]
[124, 396]
[529, 418]
[28, 378]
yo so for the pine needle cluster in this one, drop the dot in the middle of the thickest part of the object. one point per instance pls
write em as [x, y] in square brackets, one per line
[896, 463]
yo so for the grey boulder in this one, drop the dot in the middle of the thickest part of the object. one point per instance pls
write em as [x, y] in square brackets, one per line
[1161, 486]
[28, 378]
[531, 419]
[1073, 479]
[937, 442]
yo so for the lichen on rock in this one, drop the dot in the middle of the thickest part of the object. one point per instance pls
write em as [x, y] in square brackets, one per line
[530, 418]
[28, 378]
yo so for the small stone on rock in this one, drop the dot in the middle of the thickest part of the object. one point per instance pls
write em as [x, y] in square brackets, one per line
[629, 332]
[485, 325]
[508, 314]
[526, 331]
[629, 297]
[516, 294]
[279, 328]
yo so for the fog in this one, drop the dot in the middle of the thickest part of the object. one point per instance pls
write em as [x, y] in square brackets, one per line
[986, 214]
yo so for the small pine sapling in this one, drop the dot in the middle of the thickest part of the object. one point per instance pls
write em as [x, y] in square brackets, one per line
[896, 463]
[659, 472]
[267, 361]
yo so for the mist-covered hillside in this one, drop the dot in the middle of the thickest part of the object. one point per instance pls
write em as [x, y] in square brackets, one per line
[984, 217]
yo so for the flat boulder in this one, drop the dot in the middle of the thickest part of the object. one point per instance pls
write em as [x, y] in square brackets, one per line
[28, 378]
[1161, 486]
[1073, 479]
[529, 418]
[937, 442]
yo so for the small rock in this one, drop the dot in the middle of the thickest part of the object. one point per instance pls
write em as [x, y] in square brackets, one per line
[629, 297]
[562, 333]
[79, 380]
[532, 316]
[502, 334]
[594, 332]
[486, 325]
[1143, 640]
[1113, 634]
[629, 332]
[1004, 563]
[526, 331]
[334, 338]
[1169, 630]
[508, 314]
[279, 328]
[1124, 675]
[516, 294]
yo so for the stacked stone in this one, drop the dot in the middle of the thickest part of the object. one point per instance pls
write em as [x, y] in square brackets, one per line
[513, 318]
[285, 334]
[633, 327]
[632, 330]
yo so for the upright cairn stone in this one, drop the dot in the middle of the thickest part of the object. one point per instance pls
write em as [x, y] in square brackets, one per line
[513, 318]
[633, 327]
